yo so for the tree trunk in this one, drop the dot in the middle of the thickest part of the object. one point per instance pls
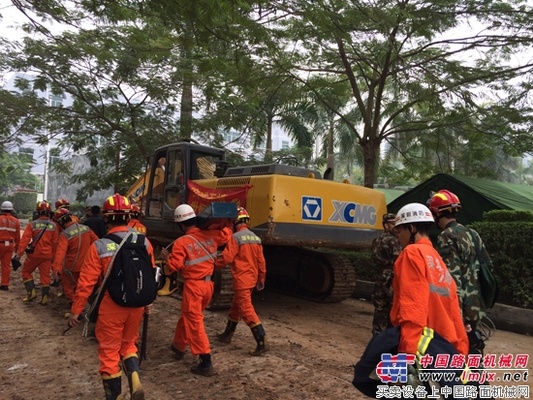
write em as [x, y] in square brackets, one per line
[370, 158]
[186, 109]
[117, 169]
[331, 148]
[268, 144]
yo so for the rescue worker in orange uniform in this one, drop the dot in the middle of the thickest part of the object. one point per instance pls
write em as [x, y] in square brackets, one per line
[134, 222]
[248, 270]
[43, 245]
[117, 327]
[64, 203]
[194, 255]
[9, 241]
[73, 244]
[424, 292]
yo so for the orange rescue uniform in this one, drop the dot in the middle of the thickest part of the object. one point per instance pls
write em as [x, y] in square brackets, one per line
[43, 253]
[196, 267]
[137, 225]
[425, 295]
[248, 268]
[9, 242]
[73, 245]
[117, 327]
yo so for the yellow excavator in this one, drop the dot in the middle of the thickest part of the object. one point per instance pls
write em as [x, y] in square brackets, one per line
[297, 214]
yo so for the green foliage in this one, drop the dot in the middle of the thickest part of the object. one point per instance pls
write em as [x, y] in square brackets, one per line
[508, 216]
[509, 245]
[412, 81]
[354, 73]
[24, 201]
[20, 114]
[15, 172]
[77, 209]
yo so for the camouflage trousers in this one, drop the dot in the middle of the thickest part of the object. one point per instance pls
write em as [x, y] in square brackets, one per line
[382, 300]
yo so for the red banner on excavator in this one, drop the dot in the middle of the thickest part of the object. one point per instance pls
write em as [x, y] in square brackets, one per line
[201, 197]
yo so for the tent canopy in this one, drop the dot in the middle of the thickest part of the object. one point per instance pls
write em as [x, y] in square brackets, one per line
[477, 195]
[391, 194]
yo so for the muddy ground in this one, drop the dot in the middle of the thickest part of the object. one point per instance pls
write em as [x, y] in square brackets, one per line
[313, 347]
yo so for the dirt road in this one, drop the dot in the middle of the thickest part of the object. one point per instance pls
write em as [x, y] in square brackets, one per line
[313, 348]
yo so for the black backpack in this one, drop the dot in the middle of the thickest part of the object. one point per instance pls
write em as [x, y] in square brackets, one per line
[132, 281]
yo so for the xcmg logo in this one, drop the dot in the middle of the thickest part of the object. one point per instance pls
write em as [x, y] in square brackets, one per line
[353, 213]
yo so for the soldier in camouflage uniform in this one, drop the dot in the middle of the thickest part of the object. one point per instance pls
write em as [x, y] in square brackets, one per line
[457, 246]
[385, 251]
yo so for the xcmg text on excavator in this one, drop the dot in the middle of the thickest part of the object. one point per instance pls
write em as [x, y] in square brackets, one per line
[296, 213]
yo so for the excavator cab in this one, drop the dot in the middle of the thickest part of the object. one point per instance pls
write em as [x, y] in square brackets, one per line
[164, 185]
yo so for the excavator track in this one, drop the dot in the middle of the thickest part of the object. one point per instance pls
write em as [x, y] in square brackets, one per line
[223, 294]
[313, 275]
[318, 276]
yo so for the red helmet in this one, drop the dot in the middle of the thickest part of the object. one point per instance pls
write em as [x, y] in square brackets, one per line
[242, 215]
[117, 205]
[135, 210]
[62, 203]
[43, 206]
[60, 215]
[443, 201]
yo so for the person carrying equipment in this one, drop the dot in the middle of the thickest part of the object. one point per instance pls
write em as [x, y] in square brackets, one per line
[9, 241]
[248, 270]
[73, 244]
[194, 255]
[424, 292]
[117, 327]
[38, 242]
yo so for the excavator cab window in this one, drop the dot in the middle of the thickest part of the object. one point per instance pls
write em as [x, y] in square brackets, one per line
[203, 166]
[158, 185]
[174, 183]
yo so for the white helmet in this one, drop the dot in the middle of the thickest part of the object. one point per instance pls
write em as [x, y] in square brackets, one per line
[412, 213]
[183, 212]
[7, 206]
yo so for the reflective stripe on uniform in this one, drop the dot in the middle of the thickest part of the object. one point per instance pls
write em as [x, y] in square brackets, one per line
[246, 237]
[74, 230]
[107, 247]
[440, 290]
[423, 343]
[427, 336]
[207, 257]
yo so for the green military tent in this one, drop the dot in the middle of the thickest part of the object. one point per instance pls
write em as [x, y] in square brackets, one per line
[476, 195]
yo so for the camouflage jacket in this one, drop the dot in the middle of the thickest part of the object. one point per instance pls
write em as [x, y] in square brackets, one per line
[457, 248]
[385, 250]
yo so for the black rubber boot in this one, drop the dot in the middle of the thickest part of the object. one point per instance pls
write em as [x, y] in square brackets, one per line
[30, 289]
[112, 387]
[45, 292]
[205, 367]
[259, 335]
[225, 337]
[131, 368]
[178, 354]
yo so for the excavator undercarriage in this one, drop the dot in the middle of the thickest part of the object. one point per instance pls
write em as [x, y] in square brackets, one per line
[323, 277]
